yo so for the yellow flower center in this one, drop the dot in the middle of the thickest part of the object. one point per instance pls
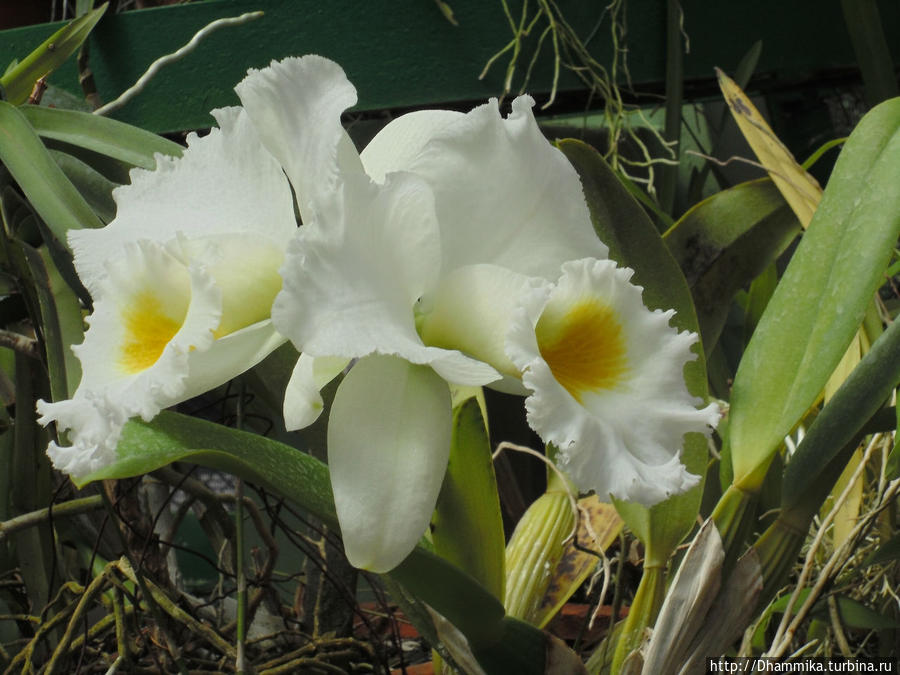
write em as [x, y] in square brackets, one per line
[584, 346]
[148, 329]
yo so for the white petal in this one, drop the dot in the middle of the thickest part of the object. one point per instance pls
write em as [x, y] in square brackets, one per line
[229, 356]
[350, 287]
[400, 142]
[296, 106]
[225, 182]
[504, 195]
[388, 446]
[607, 377]
[302, 401]
[245, 268]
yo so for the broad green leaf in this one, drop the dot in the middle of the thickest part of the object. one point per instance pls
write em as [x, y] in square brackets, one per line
[634, 242]
[304, 480]
[18, 82]
[85, 135]
[725, 242]
[800, 189]
[822, 297]
[52, 195]
[467, 526]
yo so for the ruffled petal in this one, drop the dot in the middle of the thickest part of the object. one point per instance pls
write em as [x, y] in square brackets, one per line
[350, 286]
[607, 380]
[504, 195]
[151, 312]
[388, 447]
[302, 401]
[296, 106]
[225, 182]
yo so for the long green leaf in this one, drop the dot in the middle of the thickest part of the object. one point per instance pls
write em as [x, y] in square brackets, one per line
[725, 242]
[634, 242]
[822, 297]
[18, 82]
[61, 322]
[51, 194]
[123, 142]
[863, 392]
[467, 527]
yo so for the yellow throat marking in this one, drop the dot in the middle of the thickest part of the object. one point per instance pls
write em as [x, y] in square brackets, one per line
[148, 329]
[584, 347]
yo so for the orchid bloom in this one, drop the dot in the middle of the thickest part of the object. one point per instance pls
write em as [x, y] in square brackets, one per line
[457, 249]
[182, 282]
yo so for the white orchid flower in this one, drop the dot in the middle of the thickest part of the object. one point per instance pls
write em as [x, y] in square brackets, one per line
[182, 282]
[427, 260]
[607, 383]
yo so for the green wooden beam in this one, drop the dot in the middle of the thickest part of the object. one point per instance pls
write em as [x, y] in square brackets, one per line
[404, 53]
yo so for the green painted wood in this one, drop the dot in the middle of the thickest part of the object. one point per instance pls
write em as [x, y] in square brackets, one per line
[403, 53]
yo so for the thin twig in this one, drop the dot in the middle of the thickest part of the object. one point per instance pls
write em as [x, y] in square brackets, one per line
[786, 632]
[73, 507]
[163, 61]
[20, 343]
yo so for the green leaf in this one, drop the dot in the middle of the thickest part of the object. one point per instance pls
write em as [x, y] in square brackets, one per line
[725, 242]
[892, 468]
[634, 242]
[863, 392]
[467, 527]
[61, 323]
[822, 297]
[52, 195]
[31, 488]
[855, 614]
[171, 437]
[18, 82]
[90, 137]
[95, 188]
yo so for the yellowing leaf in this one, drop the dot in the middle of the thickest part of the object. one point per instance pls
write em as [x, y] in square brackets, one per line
[800, 189]
[598, 527]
